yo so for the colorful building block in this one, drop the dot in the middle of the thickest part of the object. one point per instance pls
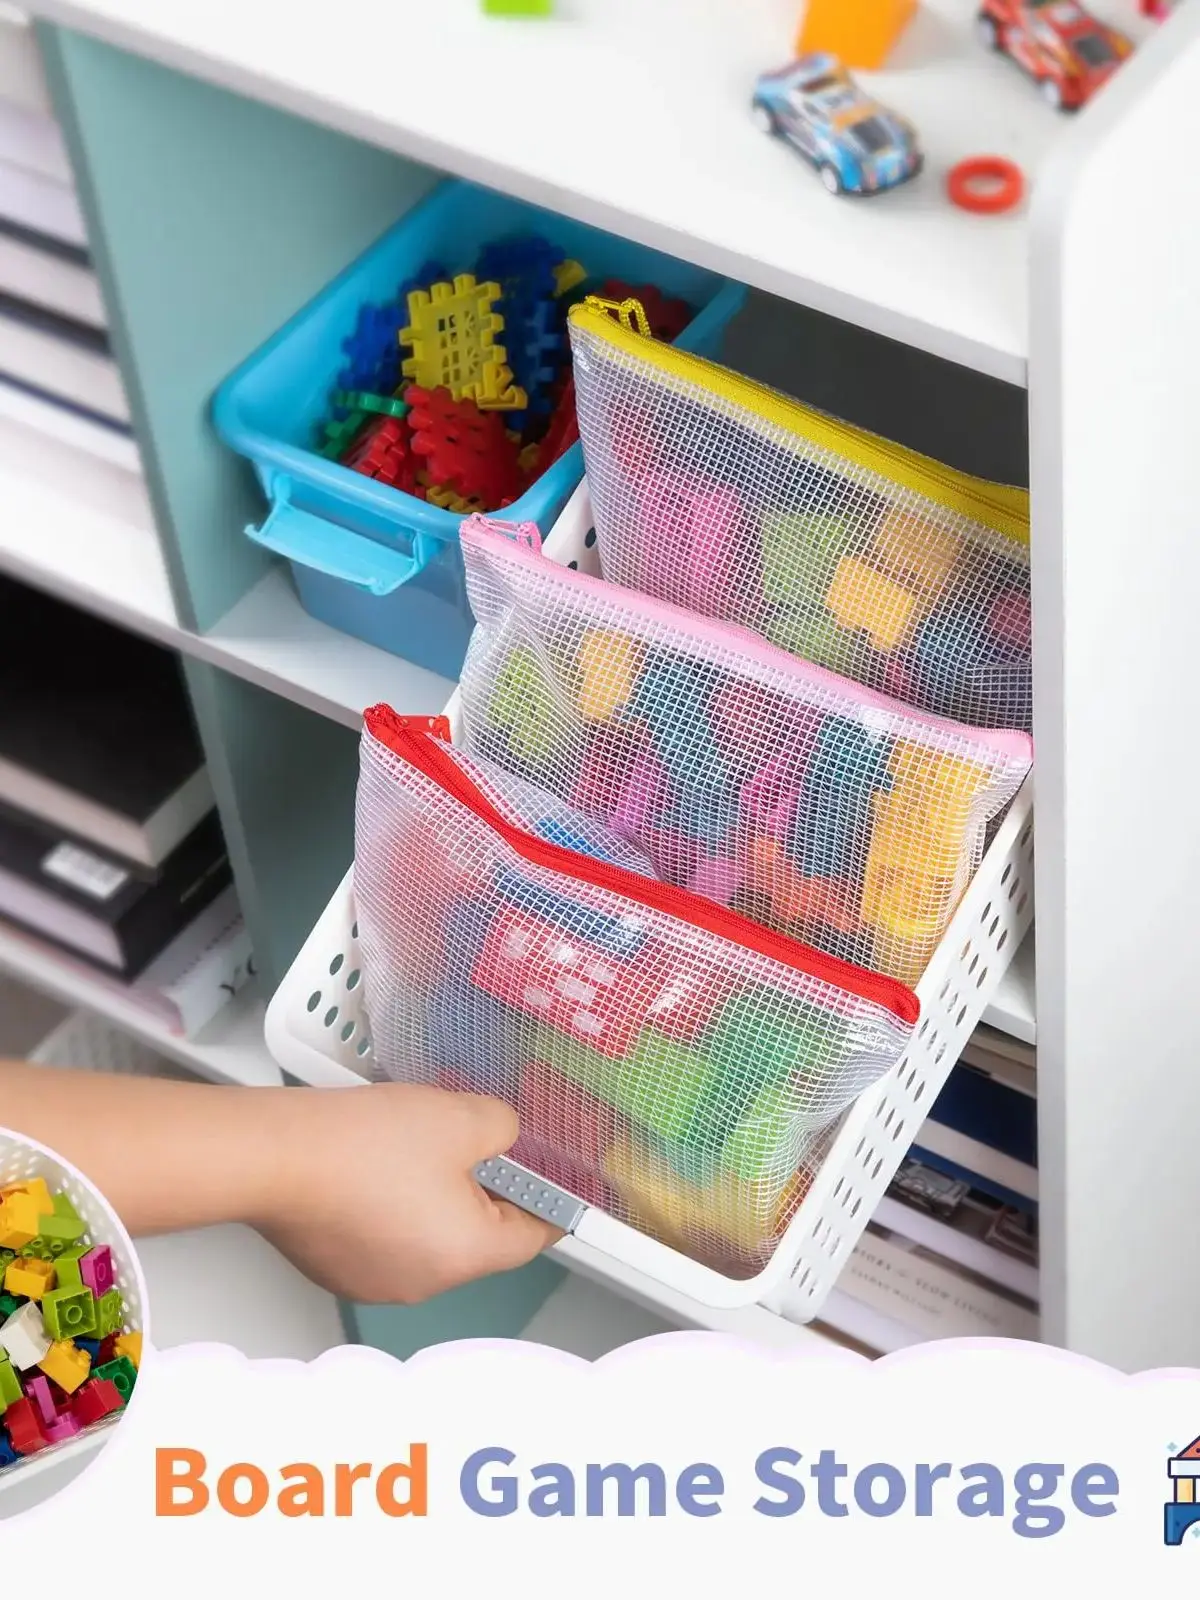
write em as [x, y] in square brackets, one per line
[7, 1454]
[122, 1374]
[110, 1313]
[10, 1384]
[68, 1311]
[662, 1085]
[800, 553]
[579, 989]
[36, 1188]
[8, 1304]
[621, 936]
[606, 669]
[518, 8]
[764, 1037]
[468, 1032]
[97, 1399]
[862, 598]
[452, 331]
[30, 1278]
[464, 450]
[766, 1144]
[19, 1219]
[38, 1390]
[585, 1067]
[129, 1346]
[690, 537]
[67, 1364]
[66, 1266]
[673, 701]
[96, 1270]
[565, 1132]
[915, 551]
[23, 1336]
[524, 706]
[65, 1426]
[861, 33]
[812, 634]
[24, 1427]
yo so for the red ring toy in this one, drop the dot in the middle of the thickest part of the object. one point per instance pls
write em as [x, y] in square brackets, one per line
[1006, 175]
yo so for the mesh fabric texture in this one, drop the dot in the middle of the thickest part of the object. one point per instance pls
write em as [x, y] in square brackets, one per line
[723, 497]
[661, 1070]
[795, 796]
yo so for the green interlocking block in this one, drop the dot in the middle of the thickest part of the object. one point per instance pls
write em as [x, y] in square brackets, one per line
[110, 1311]
[762, 1037]
[69, 1313]
[66, 1266]
[663, 1085]
[120, 1372]
[10, 1384]
[5, 1257]
[382, 405]
[333, 438]
[763, 1147]
[575, 1061]
[8, 1304]
[518, 8]
[816, 635]
[800, 554]
[65, 1225]
[525, 707]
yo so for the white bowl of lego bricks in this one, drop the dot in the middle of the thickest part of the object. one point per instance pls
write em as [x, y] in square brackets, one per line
[72, 1311]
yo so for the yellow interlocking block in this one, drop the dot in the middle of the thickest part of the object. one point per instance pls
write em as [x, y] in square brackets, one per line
[568, 275]
[452, 332]
[862, 598]
[38, 1188]
[608, 664]
[66, 1364]
[748, 1216]
[20, 1220]
[30, 1277]
[130, 1344]
[943, 788]
[915, 551]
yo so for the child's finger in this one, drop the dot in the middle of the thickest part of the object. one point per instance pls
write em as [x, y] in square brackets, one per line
[516, 1236]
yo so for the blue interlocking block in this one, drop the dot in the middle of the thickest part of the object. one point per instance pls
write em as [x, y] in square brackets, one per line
[466, 932]
[469, 1033]
[618, 936]
[7, 1454]
[534, 328]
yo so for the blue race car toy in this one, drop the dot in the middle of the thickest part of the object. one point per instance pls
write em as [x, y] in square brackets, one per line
[856, 145]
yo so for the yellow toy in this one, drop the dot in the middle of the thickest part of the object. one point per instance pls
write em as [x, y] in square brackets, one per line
[861, 33]
[452, 335]
[862, 598]
[608, 665]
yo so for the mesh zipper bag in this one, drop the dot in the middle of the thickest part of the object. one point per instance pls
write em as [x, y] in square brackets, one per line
[673, 1065]
[715, 493]
[802, 799]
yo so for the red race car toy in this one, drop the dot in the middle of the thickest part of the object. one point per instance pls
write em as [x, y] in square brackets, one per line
[1066, 51]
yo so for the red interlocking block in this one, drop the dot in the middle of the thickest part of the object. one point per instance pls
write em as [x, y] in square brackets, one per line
[97, 1399]
[667, 318]
[584, 993]
[462, 448]
[385, 452]
[560, 1117]
[24, 1428]
[690, 994]
[563, 431]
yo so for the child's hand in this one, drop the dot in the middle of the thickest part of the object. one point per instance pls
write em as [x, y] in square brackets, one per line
[370, 1191]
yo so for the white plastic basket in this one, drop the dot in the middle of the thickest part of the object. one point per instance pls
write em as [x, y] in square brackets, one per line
[21, 1158]
[318, 1031]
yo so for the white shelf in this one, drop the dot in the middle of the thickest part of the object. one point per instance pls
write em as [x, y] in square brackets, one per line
[1014, 1010]
[634, 117]
[229, 1050]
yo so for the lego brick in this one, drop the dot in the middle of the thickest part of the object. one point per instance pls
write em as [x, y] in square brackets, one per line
[583, 1066]
[8, 1304]
[97, 1399]
[762, 1037]
[862, 598]
[675, 699]
[7, 1454]
[523, 705]
[121, 1373]
[663, 1085]
[23, 1336]
[796, 901]
[607, 665]
[541, 969]
[690, 532]
[69, 1311]
[65, 1426]
[452, 330]
[10, 1384]
[110, 1313]
[764, 1146]
[19, 1214]
[66, 1266]
[800, 553]
[470, 1033]
[29, 1278]
[559, 1116]
[36, 1188]
[38, 1390]
[93, 1346]
[96, 1270]
[108, 1350]
[915, 551]
[129, 1346]
[24, 1428]
[67, 1364]
[812, 633]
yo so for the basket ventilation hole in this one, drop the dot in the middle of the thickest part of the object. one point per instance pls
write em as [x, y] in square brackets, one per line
[353, 980]
[314, 1000]
[331, 1016]
[336, 965]
[348, 1032]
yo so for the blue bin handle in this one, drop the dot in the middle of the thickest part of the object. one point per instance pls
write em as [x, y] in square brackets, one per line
[338, 552]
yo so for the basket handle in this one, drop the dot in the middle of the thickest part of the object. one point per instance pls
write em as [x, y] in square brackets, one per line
[337, 552]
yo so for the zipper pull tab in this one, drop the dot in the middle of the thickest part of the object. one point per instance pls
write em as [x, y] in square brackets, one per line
[380, 719]
[526, 534]
[629, 313]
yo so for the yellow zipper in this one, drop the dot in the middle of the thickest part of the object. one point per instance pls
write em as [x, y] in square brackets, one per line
[1003, 509]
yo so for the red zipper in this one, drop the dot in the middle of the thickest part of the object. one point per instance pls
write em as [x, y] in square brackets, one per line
[412, 740]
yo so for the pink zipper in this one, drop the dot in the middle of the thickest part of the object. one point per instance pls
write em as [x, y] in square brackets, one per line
[410, 739]
[947, 735]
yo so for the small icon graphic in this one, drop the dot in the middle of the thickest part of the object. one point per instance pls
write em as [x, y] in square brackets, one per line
[1183, 1510]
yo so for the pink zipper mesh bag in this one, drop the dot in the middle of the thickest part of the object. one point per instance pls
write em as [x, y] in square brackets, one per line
[802, 799]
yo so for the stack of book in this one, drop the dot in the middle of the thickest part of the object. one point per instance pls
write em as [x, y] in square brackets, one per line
[57, 371]
[110, 844]
[952, 1251]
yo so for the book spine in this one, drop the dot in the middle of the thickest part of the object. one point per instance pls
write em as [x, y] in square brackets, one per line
[1020, 1277]
[973, 1156]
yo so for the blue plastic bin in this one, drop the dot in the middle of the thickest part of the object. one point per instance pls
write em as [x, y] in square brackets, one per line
[368, 559]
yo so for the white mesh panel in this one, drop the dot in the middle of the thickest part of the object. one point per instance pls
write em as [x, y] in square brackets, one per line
[728, 507]
[661, 1071]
